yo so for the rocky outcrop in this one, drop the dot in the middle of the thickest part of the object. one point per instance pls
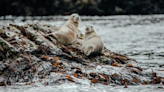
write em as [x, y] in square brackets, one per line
[28, 55]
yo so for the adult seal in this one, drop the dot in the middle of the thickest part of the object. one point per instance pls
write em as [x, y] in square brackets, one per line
[69, 32]
[92, 43]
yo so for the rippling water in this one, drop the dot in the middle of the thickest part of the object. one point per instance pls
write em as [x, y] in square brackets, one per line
[139, 37]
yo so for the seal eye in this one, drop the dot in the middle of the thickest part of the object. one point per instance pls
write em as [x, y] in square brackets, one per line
[73, 16]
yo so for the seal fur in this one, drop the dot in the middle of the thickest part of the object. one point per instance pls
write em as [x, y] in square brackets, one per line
[69, 32]
[92, 43]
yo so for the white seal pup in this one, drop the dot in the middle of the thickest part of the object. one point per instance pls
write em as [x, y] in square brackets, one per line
[92, 43]
[69, 32]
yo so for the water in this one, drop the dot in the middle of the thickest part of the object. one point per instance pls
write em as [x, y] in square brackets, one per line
[139, 37]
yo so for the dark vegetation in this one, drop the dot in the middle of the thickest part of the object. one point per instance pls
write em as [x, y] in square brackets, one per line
[83, 7]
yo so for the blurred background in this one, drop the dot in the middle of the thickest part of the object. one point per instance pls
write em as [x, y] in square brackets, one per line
[83, 7]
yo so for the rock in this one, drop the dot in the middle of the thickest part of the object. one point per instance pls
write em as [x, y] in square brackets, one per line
[2, 83]
[3, 66]
[6, 49]
[28, 54]
[2, 33]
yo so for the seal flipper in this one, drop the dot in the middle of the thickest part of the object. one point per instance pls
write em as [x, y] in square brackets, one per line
[54, 36]
[58, 37]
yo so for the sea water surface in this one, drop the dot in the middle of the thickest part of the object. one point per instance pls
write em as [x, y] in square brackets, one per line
[140, 37]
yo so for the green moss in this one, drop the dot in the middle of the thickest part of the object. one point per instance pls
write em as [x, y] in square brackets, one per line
[41, 42]
[32, 37]
[100, 61]
[78, 43]
[82, 35]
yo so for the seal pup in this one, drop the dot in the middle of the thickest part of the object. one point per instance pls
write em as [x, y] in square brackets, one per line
[69, 32]
[92, 43]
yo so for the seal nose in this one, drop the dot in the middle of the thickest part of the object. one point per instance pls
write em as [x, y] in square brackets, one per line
[77, 18]
[87, 28]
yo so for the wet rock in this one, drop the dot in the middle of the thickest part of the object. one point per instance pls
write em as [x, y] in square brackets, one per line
[2, 83]
[93, 74]
[2, 33]
[156, 80]
[44, 69]
[107, 61]
[6, 49]
[31, 55]
[3, 66]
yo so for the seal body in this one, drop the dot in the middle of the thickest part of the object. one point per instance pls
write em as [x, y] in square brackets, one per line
[68, 33]
[92, 43]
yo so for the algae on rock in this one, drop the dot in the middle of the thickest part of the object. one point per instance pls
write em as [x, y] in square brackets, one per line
[29, 55]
